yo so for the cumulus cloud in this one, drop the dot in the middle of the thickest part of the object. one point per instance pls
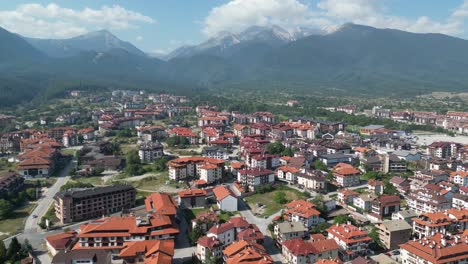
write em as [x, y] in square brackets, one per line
[52, 20]
[237, 15]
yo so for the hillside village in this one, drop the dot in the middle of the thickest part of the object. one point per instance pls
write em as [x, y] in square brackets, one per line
[146, 178]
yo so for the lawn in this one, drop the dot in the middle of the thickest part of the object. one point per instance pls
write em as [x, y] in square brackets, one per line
[15, 223]
[94, 180]
[154, 183]
[68, 152]
[268, 199]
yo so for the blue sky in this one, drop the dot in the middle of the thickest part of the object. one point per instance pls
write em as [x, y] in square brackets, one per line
[162, 25]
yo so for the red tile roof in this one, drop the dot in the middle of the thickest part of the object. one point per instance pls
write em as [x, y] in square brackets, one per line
[222, 192]
[61, 240]
[161, 203]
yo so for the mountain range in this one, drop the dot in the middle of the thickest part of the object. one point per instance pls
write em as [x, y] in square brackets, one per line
[353, 59]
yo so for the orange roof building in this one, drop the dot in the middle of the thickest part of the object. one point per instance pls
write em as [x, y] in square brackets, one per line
[148, 251]
[353, 241]
[161, 203]
[188, 167]
[436, 249]
[243, 252]
[113, 232]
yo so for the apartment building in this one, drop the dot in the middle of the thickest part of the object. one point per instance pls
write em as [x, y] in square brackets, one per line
[188, 167]
[149, 151]
[393, 233]
[10, 182]
[436, 249]
[81, 204]
[440, 222]
[353, 241]
[255, 177]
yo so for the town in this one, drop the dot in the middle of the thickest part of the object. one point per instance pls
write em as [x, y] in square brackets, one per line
[135, 177]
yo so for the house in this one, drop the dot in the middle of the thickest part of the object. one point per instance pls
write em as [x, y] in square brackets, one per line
[147, 251]
[225, 233]
[287, 173]
[60, 242]
[186, 133]
[442, 149]
[426, 200]
[87, 133]
[192, 198]
[150, 151]
[401, 184]
[161, 203]
[436, 249]
[460, 178]
[245, 252]
[370, 129]
[440, 222]
[113, 231]
[375, 186]
[209, 246]
[353, 241]
[393, 233]
[225, 199]
[189, 167]
[290, 230]
[215, 152]
[346, 175]
[406, 215]
[308, 252]
[312, 180]
[303, 211]
[385, 205]
[364, 202]
[346, 196]
[255, 177]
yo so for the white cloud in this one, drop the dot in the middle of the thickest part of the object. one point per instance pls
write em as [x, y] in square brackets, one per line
[237, 15]
[139, 38]
[36, 20]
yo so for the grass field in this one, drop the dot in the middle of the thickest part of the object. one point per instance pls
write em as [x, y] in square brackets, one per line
[15, 223]
[268, 199]
[95, 180]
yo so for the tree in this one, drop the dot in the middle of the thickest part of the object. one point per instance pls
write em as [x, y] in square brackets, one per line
[72, 185]
[343, 219]
[210, 258]
[133, 163]
[195, 234]
[375, 236]
[31, 193]
[280, 197]
[319, 165]
[288, 152]
[390, 189]
[5, 209]
[275, 148]
[160, 164]
[3, 252]
[13, 252]
[320, 205]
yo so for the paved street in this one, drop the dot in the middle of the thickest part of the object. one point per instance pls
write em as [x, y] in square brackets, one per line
[262, 224]
[32, 231]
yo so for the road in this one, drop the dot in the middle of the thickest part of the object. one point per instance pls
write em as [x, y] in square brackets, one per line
[262, 224]
[32, 231]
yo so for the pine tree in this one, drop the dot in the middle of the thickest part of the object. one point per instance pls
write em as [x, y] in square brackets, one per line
[13, 250]
[3, 252]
